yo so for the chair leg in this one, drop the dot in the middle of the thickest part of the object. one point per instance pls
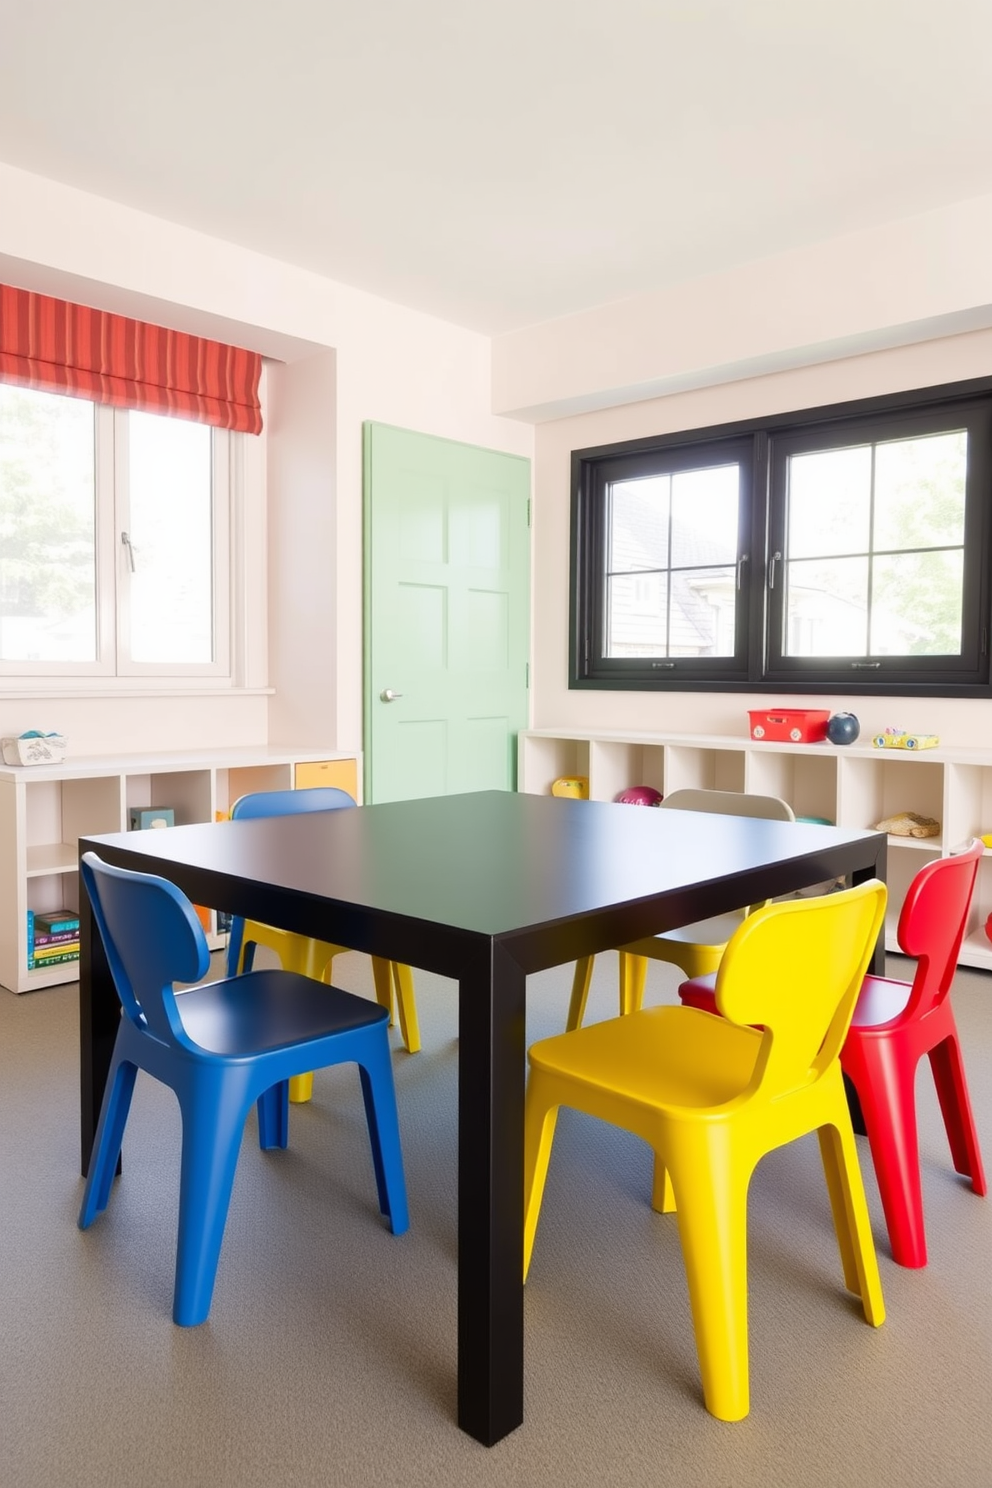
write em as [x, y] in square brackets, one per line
[107, 1143]
[273, 1115]
[852, 1222]
[382, 1117]
[581, 981]
[712, 1215]
[955, 1105]
[540, 1120]
[888, 1104]
[213, 1115]
[633, 979]
[301, 1089]
[312, 958]
[662, 1192]
[406, 1006]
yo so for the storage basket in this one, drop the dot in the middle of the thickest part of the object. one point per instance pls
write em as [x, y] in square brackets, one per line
[35, 749]
[790, 725]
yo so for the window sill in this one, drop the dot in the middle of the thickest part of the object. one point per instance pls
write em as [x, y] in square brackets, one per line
[131, 687]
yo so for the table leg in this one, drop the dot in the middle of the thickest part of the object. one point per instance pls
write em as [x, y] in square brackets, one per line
[99, 1019]
[878, 869]
[491, 1062]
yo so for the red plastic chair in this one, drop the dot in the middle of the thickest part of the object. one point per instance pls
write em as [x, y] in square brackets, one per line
[894, 1025]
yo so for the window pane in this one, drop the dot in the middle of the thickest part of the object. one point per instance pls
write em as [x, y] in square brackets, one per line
[827, 608]
[639, 524]
[829, 504]
[704, 612]
[705, 516]
[919, 491]
[917, 604]
[171, 533]
[47, 527]
[636, 615]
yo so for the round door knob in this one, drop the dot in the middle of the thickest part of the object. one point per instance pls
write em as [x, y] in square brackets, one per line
[389, 696]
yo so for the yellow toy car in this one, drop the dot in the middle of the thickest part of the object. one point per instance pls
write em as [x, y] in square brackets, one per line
[896, 739]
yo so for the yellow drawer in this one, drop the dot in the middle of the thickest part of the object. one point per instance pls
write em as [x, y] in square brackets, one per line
[341, 772]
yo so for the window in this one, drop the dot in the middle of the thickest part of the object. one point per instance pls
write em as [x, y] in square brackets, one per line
[114, 549]
[842, 549]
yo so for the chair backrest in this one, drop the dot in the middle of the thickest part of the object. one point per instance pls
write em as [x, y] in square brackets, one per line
[290, 802]
[796, 970]
[932, 924]
[152, 937]
[259, 804]
[730, 803]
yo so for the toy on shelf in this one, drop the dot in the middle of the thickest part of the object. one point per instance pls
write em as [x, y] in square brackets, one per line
[892, 738]
[639, 795]
[35, 748]
[789, 725]
[909, 824]
[574, 786]
[842, 728]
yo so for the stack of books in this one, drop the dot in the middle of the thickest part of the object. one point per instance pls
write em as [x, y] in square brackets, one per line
[53, 937]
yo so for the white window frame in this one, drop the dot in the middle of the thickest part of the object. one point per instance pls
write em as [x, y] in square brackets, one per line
[236, 554]
[220, 478]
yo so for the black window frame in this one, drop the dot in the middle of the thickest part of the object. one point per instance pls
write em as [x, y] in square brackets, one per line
[762, 447]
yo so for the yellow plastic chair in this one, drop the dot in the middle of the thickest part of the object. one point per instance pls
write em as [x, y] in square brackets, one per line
[712, 1095]
[700, 945]
[314, 958]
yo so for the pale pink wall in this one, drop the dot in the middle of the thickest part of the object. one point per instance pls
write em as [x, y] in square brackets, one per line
[555, 706]
[105, 723]
[392, 364]
[900, 283]
[302, 549]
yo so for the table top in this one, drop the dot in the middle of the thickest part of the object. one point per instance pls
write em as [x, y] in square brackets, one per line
[498, 864]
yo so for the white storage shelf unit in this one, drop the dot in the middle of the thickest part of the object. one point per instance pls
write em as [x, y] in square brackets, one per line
[45, 809]
[851, 785]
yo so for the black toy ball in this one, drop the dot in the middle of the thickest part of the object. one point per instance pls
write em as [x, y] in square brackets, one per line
[843, 728]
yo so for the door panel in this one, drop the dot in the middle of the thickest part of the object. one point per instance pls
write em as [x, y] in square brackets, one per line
[447, 589]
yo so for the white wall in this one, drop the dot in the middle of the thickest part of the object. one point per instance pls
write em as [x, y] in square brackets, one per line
[389, 364]
[301, 423]
[921, 278]
[555, 706]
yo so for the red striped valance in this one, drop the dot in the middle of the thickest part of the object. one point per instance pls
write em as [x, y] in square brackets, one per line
[64, 348]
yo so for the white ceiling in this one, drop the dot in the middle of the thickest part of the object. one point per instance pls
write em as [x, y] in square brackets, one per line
[504, 164]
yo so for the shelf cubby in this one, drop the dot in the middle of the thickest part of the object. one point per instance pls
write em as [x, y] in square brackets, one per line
[44, 810]
[808, 782]
[852, 786]
[613, 766]
[704, 768]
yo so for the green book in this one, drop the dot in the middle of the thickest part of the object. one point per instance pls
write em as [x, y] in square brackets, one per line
[38, 963]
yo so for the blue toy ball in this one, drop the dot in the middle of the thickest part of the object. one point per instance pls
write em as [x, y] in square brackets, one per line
[843, 728]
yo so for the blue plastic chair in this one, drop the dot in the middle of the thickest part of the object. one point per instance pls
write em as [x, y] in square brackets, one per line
[314, 958]
[221, 1047]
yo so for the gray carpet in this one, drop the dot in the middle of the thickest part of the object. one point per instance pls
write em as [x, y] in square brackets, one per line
[329, 1356]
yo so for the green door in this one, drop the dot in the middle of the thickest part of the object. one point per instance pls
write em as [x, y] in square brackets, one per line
[447, 610]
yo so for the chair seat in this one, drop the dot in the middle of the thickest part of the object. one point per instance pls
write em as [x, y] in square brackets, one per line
[670, 1057]
[714, 932]
[264, 1010]
[699, 992]
[880, 1001]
